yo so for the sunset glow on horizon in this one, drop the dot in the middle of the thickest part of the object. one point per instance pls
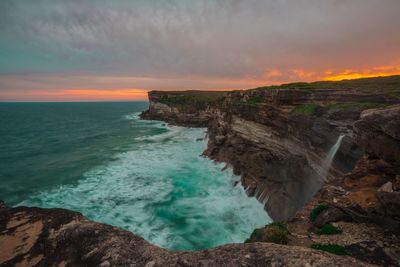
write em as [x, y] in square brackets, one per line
[120, 50]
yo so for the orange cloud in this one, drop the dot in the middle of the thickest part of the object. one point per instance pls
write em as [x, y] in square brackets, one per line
[76, 95]
[95, 94]
[353, 74]
[36, 87]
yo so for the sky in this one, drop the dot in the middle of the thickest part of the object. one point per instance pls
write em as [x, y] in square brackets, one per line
[90, 50]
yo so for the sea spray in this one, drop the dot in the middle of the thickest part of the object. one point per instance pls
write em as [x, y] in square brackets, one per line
[326, 164]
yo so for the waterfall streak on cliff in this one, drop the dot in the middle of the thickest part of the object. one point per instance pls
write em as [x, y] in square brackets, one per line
[326, 164]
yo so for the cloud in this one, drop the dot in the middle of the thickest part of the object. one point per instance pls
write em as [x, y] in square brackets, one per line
[270, 41]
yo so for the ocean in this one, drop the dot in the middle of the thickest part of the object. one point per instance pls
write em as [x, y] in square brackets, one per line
[147, 177]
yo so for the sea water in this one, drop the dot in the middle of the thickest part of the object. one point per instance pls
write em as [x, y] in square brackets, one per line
[143, 176]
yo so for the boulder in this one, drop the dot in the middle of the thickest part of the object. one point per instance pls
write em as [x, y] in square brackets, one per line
[378, 131]
[329, 215]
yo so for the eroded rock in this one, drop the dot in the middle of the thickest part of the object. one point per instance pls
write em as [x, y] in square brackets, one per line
[57, 237]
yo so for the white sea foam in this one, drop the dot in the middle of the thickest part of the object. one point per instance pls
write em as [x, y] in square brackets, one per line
[164, 191]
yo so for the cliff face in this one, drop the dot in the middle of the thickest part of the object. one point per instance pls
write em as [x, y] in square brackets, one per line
[191, 109]
[278, 137]
[364, 203]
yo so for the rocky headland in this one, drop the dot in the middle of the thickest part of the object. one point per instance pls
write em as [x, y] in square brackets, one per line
[279, 139]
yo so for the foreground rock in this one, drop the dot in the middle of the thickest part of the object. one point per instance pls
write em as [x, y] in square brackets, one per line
[57, 237]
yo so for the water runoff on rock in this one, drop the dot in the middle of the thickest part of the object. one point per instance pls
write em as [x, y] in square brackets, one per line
[326, 164]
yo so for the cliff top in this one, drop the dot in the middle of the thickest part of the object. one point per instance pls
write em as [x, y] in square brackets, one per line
[388, 85]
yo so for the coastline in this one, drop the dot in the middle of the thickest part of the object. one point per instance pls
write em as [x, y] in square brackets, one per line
[276, 140]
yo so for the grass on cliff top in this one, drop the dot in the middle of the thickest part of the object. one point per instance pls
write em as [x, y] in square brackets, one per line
[331, 248]
[306, 109]
[273, 233]
[254, 100]
[195, 94]
[389, 86]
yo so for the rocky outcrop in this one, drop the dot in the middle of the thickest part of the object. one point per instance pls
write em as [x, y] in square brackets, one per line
[57, 237]
[364, 204]
[368, 231]
[378, 130]
[187, 108]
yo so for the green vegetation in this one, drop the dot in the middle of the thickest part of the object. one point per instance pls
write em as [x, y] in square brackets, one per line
[331, 248]
[389, 86]
[329, 229]
[360, 105]
[317, 210]
[307, 109]
[300, 85]
[274, 233]
[254, 100]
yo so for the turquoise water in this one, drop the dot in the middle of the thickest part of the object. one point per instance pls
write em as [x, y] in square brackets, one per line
[143, 176]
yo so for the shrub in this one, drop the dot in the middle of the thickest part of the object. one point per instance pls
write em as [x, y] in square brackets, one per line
[307, 109]
[317, 210]
[274, 233]
[254, 100]
[331, 248]
[329, 229]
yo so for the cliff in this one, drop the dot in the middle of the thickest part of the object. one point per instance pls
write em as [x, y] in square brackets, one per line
[188, 108]
[277, 137]
[364, 204]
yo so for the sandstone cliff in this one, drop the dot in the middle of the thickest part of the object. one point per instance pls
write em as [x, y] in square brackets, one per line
[277, 137]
